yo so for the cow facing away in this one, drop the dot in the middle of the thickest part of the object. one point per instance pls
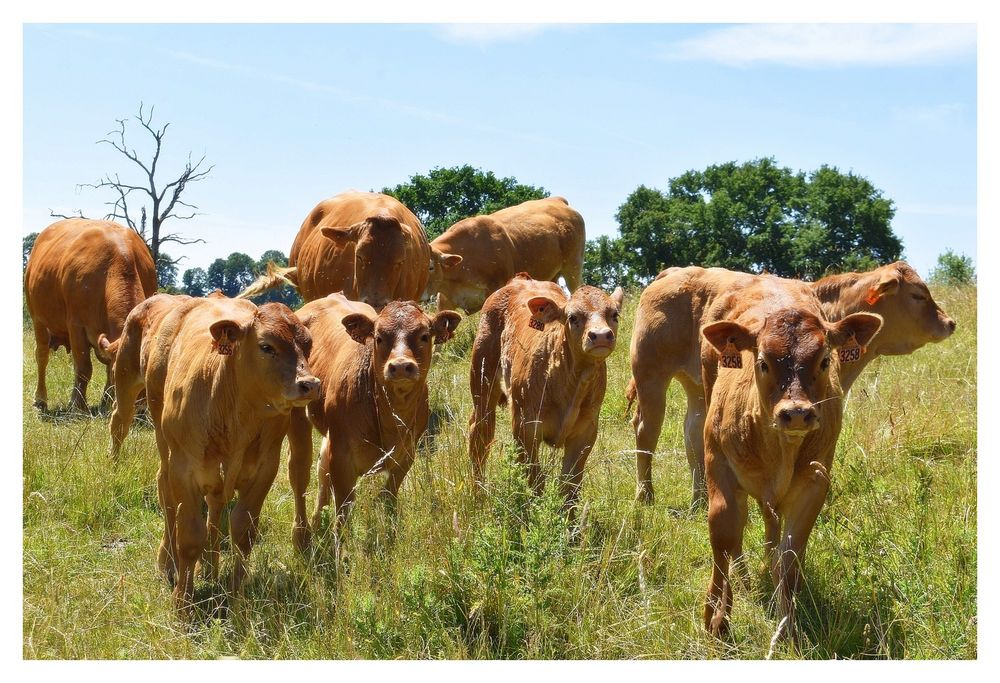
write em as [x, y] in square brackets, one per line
[364, 244]
[544, 238]
[770, 367]
[666, 344]
[83, 277]
[547, 353]
[221, 376]
[374, 404]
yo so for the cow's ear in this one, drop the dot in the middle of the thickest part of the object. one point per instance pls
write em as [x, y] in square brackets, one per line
[862, 327]
[721, 334]
[226, 334]
[359, 326]
[449, 260]
[444, 325]
[618, 296]
[887, 285]
[342, 235]
[545, 310]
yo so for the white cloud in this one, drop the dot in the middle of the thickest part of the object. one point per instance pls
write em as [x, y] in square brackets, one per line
[488, 34]
[828, 45]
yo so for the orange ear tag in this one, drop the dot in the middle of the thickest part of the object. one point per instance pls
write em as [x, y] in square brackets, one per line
[224, 348]
[730, 357]
[873, 297]
[851, 351]
[536, 324]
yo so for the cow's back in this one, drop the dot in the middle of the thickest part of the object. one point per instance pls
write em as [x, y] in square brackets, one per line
[544, 233]
[323, 267]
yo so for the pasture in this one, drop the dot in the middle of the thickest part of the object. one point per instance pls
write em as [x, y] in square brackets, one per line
[891, 569]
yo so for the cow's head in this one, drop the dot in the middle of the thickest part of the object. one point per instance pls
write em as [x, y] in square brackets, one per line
[271, 353]
[912, 317]
[379, 243]
[402, 338]
[793, 354]
[438, 268]
[590, 319]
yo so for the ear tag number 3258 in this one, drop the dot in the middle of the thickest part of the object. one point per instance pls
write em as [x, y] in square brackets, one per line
[730, 357]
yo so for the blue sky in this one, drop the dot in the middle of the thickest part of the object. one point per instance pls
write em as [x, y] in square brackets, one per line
[291, 114]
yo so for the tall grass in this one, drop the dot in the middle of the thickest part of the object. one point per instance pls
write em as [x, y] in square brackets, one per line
[891, 569]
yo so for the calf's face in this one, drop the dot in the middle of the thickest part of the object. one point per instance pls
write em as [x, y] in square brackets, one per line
[379, 256]
[271, 353]
[793, 353]
[590, 319]
[912, 317]
[402, 338]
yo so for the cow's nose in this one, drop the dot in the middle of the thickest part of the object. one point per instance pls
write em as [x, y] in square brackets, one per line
[952, 324]
[402, 368]
[798, 418]
[308, 387]
[605, 336]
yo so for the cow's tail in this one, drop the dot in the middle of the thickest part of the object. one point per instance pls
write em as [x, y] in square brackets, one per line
[276, 276]
[107, 350]
[630, 394]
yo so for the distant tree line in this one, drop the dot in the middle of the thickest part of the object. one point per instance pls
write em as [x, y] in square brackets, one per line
[230, 275]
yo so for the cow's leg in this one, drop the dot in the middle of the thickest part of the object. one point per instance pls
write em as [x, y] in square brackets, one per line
[694, 439]
[651, 394]
[336, 476]
[799, 508]
[727, 515]
[396, 470]
[486, 391]
[108, 393]
[244, 520]
[129, 387]
[83, 367]
[572, 272]
[299, 464]
[42, 361]
[527, 435]
[189, 532]
[166, 558]
[216, 502]
[578, 447]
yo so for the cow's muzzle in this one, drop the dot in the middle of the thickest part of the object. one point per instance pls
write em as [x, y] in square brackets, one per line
[795, 418]
[308, 389]
[403, 370]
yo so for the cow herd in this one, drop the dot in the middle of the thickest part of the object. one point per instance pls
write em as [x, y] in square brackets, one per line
[765, 363]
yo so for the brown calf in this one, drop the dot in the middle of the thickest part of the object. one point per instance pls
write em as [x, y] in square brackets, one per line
[548, 352]
[221, 376]
[374, 405]
[666, 345]
[770, 367]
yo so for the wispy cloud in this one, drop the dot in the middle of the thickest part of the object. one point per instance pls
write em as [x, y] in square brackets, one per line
[827, 45]
[488, 34]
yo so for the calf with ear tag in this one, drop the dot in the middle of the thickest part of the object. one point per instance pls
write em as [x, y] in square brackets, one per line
[225, 336]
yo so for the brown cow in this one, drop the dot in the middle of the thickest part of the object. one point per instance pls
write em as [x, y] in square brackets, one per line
[771, 371]
[548, 352]
[374, 404]
[364, 244]
[544, 238]
[665, 343]
[221, 376]
[82, 279]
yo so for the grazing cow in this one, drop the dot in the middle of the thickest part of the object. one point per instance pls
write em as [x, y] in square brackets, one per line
[547, 352]
[666, 344]
[82, 279]
[770, 368]
[373, 408]
[364, 244]
[544, 238]
[221, 376]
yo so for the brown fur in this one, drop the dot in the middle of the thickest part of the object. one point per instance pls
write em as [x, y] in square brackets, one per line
[82, 279]
[544, 237]
[221, 376]
[665, 343]
[374, 404]
[555, 384]
[771, 427]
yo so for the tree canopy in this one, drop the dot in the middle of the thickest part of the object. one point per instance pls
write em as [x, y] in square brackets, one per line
[233, 274]
[756, 217]
[445, 196]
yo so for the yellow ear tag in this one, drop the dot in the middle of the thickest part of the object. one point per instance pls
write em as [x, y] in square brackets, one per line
[851, 351]
[730, 357]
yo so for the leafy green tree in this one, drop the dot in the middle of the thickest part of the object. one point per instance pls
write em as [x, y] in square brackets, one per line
[445, 196]
[604, 264]
[953, 270]
[195, 282]
[27, 244]
[285, 295]
[231, 275]
[166, 272]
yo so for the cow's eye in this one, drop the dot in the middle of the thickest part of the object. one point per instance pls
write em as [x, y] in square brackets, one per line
[919, 297]
[614, 316]
[574, 319]
[763, 366]
[425, 337]
[826, 363]
[267, 348]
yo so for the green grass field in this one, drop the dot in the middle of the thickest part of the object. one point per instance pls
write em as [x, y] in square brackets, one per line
[891, 569]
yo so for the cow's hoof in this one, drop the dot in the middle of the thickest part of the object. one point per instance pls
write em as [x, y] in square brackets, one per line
[43, 406]
[644, 495]
[301, 538]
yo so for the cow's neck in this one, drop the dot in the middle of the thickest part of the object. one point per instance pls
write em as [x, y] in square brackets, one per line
[841, 296]
[582, 372]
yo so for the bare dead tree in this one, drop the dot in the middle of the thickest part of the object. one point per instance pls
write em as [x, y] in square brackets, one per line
[79, 214]
[165, 200]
